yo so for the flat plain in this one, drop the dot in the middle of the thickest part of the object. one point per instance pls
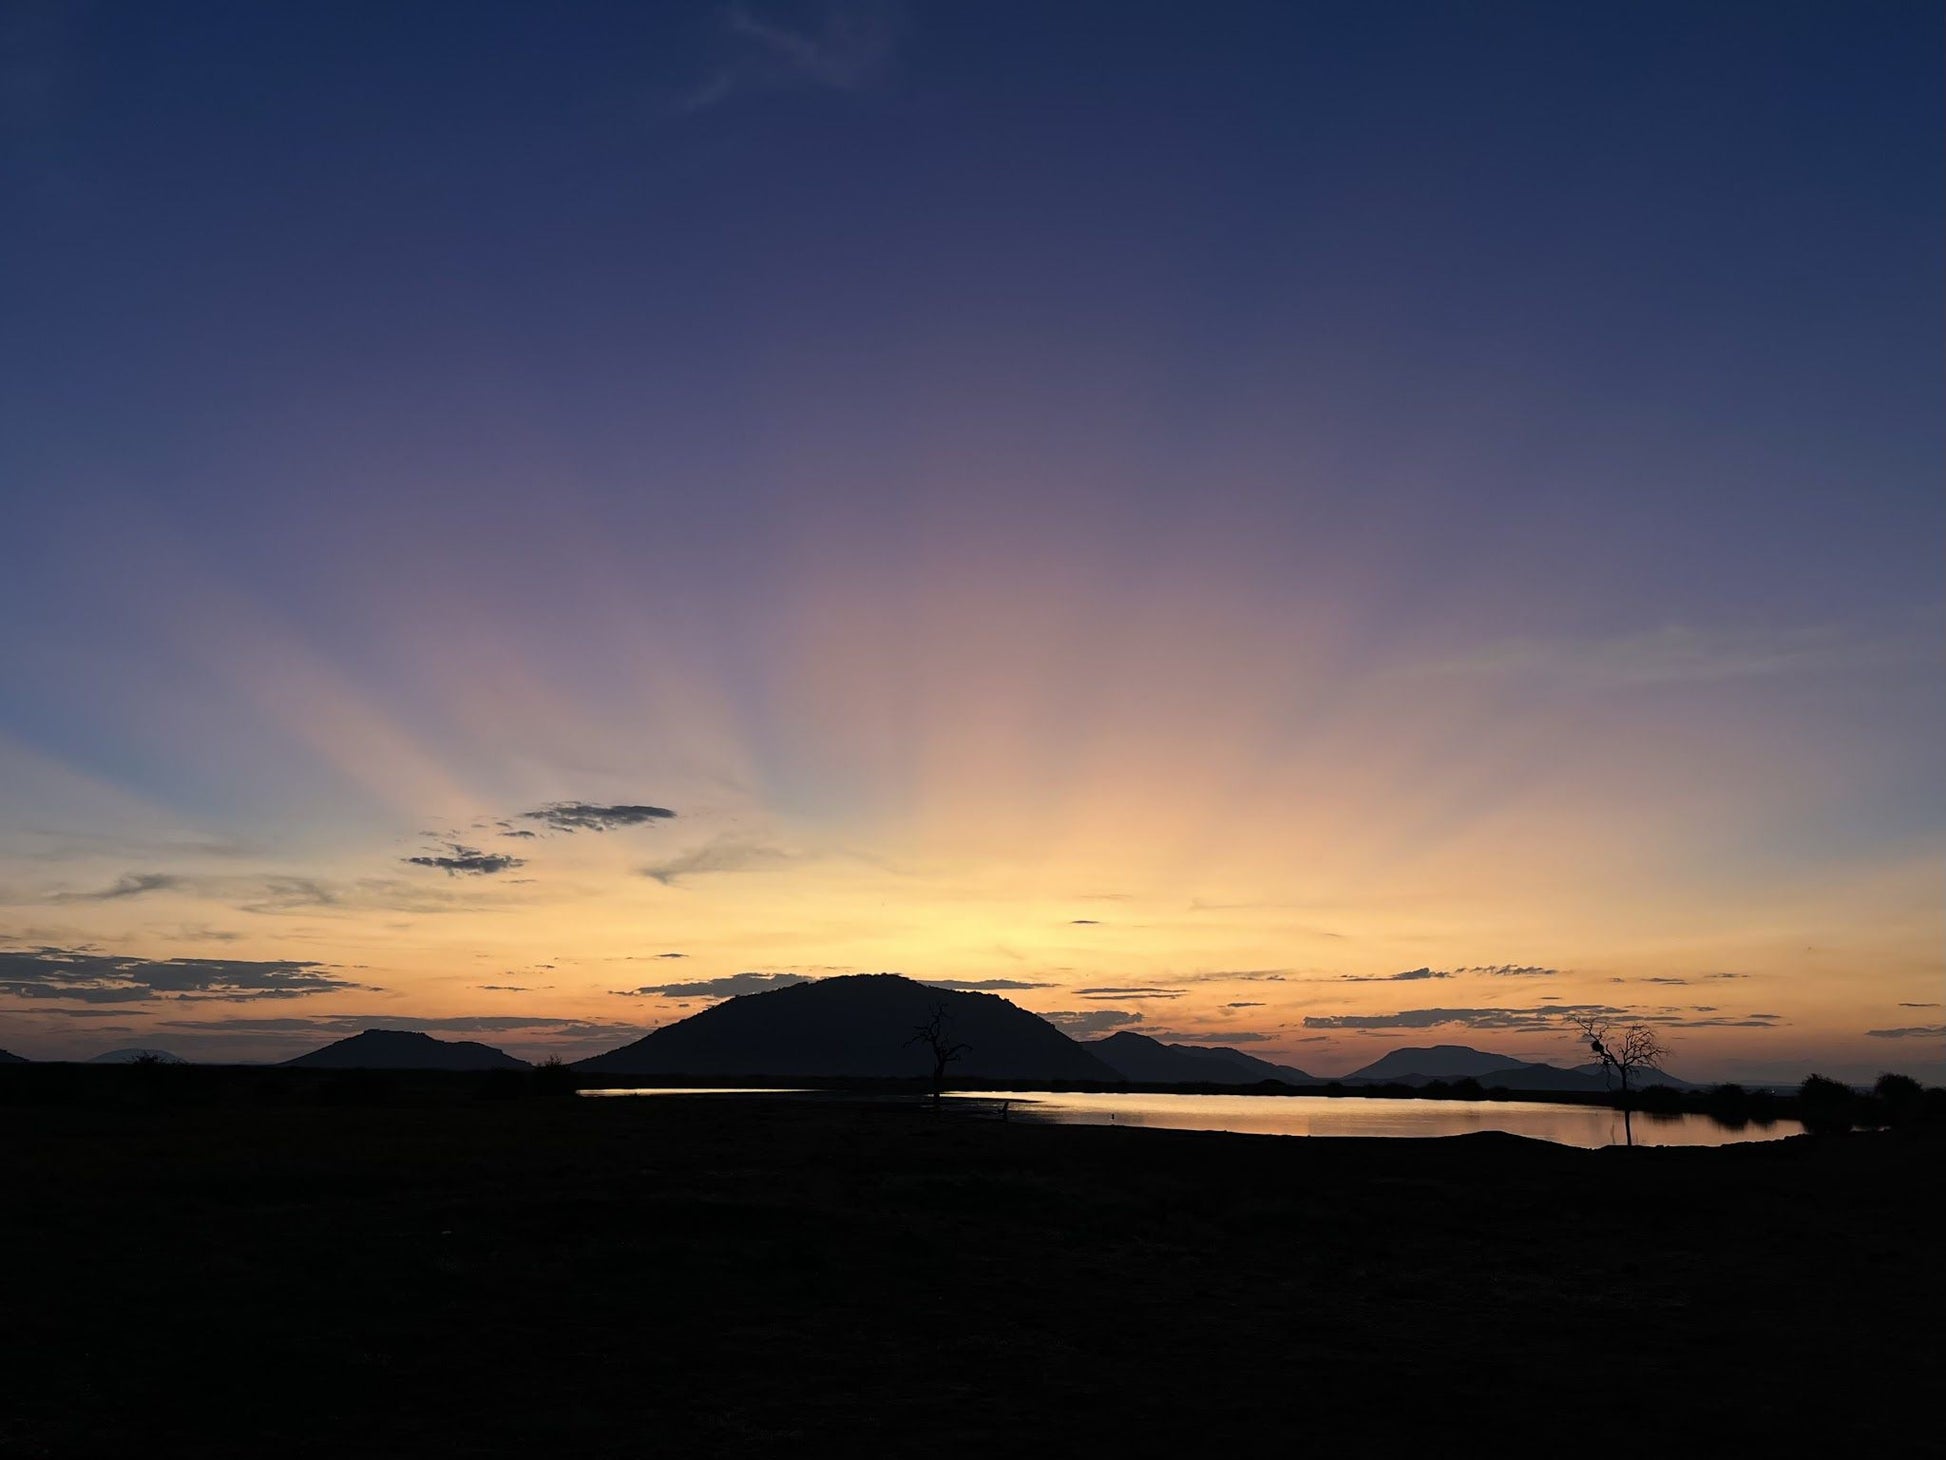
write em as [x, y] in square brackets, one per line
[470, 1276]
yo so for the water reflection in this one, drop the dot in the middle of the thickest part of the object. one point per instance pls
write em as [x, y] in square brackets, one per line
[1573, 1125]
[705, 1090]
[1297, 1115]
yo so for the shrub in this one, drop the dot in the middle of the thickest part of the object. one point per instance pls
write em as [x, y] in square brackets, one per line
[1902, 1098]
[1825, 1106]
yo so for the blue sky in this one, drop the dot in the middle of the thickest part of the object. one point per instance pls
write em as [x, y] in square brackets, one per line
[1364, 444]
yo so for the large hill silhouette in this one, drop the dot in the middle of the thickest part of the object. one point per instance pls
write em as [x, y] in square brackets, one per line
[1421, 1065]
[1140, 1058]
[403, 1049]
[12, 1059]
[1416, 1065]
[858, 1025]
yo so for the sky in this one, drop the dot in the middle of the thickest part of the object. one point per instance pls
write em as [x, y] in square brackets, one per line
[1312, 527]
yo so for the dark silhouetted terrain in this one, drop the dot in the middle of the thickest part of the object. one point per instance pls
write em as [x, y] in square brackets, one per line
[1532, 1077]
[857, 1026]
[11, 1059]
[1416, 1064]
[1422, 1065]
[1138, 1057]
[752, 1277]
[404, 1049]
[135, 1056]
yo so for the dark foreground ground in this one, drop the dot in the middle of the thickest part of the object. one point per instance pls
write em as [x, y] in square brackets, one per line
[594, 1277]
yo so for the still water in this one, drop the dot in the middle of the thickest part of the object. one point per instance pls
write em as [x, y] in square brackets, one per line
[1347, 1115]
[1353, 1115]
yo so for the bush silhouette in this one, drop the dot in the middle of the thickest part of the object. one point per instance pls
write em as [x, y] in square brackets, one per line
[552, 1077]
[1902, 1099]
[1825, 1106]
[1728, 1105]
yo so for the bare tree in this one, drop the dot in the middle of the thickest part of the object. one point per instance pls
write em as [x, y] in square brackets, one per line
[937, 1035]
[1623, 1053]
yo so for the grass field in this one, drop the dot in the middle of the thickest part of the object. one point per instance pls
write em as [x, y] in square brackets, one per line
[561, 1276]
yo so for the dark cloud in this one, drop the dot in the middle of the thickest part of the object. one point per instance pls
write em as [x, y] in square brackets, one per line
[1411, 975]
[1542, 1018]
[586, 816]
[728, 987]
[672, 955]
[1511, 970]
[523, 835]
[1082, 1023]
[1911, 1031]
[334, 1026]
[1208, 1041]
[1138, 992]
[723, 855]
[1245, 975]
[1904, 1005]
[1244, 1004]
[981, 985]
[1084, 922]
[87, 977]
[129, 884]
[469, 860]
[505, 988]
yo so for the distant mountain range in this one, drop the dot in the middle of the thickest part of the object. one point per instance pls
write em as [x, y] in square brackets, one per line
[1142, 1059]
[1415, 1065]
[860, 1025]
[402, 1049]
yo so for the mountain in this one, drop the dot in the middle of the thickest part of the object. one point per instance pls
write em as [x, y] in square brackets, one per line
[860, 1025]
[1539, 1077]
[1422, 1066]
[12, 1059]
[402, 1049]
[1138, 1057]
[133, 1056]
[1640, 1080]
[1418, 1066]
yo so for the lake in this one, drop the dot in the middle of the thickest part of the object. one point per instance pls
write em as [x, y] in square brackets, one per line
[1349, 1115]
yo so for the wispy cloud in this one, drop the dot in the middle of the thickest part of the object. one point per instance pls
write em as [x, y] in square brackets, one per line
[725, 854]
[131, 884]
[1411, 975]
[1136, 992]
[1081, 1023]
[981, 985]
[1910, 1031]
[729, 986]
[1674, 654]
[846, 45]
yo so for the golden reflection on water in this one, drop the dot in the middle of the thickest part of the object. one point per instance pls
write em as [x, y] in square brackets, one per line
[704, 1090]
[1353, 1115]
[1591, 1126]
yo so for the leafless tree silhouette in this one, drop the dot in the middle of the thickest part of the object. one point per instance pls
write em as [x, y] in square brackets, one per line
[1624, 1053]
[937, 1035]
